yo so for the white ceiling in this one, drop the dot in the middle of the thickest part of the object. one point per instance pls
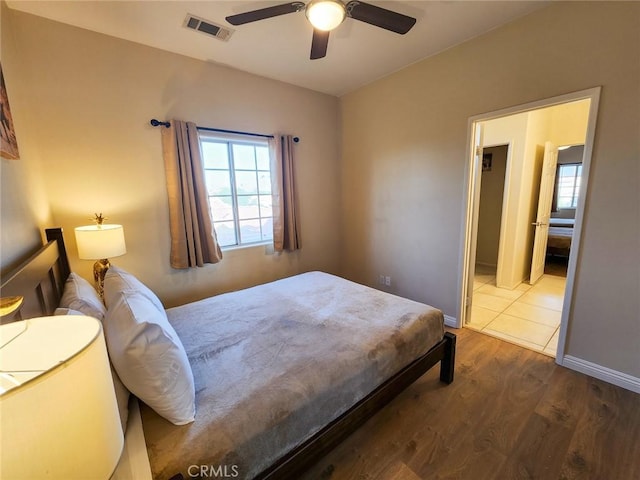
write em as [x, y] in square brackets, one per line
[279, 47]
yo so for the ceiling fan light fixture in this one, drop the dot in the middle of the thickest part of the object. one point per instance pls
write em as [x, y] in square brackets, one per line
[325, 15]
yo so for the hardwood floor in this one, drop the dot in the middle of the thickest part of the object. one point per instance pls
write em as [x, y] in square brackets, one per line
[511, 413]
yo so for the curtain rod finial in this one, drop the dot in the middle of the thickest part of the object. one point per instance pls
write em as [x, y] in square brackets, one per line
[157, 123]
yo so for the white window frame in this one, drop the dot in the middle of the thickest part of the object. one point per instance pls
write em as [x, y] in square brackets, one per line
[231, 139]
[576, 187]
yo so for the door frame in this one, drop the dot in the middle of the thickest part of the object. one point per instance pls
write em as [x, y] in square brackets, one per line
[471, 197]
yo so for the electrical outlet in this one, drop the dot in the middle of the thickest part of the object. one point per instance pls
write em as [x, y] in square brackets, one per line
[387, 281]
[381, 280]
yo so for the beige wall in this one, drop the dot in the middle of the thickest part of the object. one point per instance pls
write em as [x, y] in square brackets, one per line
[405, 150]
[89, 99]
[568, 123]
[513, 131]
[23, 201]
[490, 208]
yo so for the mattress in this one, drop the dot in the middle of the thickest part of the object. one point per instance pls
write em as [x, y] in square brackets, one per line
[559, 237]
[273, 364]
[561, 222]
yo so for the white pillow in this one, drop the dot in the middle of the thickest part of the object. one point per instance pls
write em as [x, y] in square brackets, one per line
[149, 357]
[79, 295]
[117, 280]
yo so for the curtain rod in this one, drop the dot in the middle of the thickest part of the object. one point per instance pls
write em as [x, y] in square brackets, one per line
[158, 123]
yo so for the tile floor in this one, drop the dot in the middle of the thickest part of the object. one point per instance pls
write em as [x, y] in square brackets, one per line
[528, 315]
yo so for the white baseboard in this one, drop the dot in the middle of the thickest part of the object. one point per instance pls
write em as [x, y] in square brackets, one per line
[450, 321]
[608, 375]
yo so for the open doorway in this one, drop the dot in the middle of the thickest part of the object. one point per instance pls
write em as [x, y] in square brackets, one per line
[523, 219]
[568, 181]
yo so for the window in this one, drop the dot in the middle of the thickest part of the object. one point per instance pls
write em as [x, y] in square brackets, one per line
[568, 186]
[238, 178]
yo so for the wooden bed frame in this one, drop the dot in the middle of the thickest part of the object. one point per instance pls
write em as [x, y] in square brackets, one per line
[316, 447]
[41, 279]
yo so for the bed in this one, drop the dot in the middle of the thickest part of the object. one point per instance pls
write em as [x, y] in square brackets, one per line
[560, 236]
[244, 421]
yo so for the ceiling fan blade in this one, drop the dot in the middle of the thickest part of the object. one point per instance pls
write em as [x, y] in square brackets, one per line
[319, 44]
[263, 13]
[380, 17]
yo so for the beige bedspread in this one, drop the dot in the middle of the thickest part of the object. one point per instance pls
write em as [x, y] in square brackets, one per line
[275, 363]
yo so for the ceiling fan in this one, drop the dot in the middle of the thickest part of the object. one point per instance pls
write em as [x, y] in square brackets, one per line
[325, 15]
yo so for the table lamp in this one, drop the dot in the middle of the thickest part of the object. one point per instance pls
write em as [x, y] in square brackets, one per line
[98, 242]
[58, 413]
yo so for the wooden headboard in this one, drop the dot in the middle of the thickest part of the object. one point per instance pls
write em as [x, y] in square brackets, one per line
[40, 279]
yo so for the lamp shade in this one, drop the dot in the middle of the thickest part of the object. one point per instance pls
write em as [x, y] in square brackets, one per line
[100, 241]
[325, 14]
[58, 412]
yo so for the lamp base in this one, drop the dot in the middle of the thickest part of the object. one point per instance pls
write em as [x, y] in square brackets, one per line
[8, 305]
[99, 271]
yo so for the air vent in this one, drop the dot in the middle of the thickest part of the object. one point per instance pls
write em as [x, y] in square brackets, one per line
[207, 27]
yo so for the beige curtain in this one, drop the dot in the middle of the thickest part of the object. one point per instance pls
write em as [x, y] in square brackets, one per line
[193, 239]
[285, 219]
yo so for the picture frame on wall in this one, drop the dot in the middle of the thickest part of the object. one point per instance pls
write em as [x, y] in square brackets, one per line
[487, 160]
[8, 141]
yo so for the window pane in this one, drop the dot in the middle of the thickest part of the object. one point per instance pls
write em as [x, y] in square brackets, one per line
[566, 180]
[238, 182]
[264, 182]
[246, 183]
[248, 207]
[267, 229]
[244, 157]
[266, 207]
[262, 156]
[568, 170]
[221, 208]
[564, 202]
[218, 182]
[215, 155]
[569, 185]
[250, 231]
[226, 233]
[566, 191]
